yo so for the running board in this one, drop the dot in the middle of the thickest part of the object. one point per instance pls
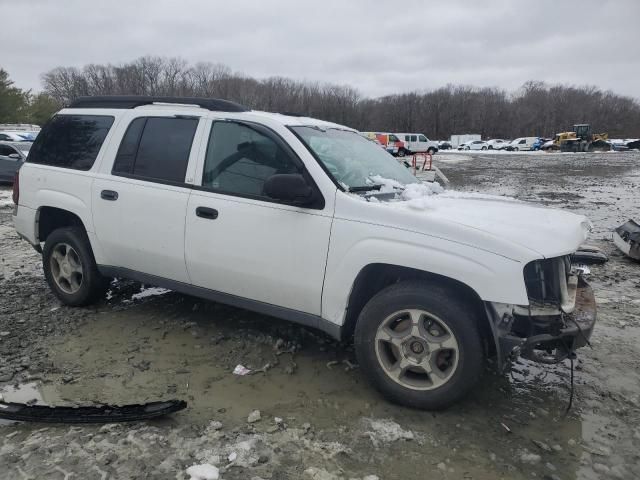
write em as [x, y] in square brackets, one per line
[101, 414]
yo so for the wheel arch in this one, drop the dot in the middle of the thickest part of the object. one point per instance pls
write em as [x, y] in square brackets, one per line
[374, 277]
[50, 218]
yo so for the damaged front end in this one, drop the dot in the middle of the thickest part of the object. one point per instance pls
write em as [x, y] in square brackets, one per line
[559, 318]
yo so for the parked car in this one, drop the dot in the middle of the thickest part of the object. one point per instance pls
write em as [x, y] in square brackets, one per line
[522, 143]
[474, 145]
[8, 136]
[497, 144]
[417, 143]
[445, 145]
[276, 214]
[12, 156]
[618, 145]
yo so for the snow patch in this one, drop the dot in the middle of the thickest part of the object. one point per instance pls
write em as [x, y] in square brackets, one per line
[385, 431]
[204, 471]
[149, 292]
[6, 198]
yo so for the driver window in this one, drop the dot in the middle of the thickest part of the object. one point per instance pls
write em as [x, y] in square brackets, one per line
[240, 159]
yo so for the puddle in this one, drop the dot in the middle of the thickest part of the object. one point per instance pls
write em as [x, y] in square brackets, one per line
[23, 393]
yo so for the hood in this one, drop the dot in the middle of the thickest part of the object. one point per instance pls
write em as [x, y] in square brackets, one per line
[511, 228]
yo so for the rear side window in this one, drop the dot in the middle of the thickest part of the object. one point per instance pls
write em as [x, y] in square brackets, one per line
[71, 141]
[156, 148]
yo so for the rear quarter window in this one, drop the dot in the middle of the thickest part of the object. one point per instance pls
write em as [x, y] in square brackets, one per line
[71, 141]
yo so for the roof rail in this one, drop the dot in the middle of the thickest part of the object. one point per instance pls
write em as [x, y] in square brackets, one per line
[133, 101]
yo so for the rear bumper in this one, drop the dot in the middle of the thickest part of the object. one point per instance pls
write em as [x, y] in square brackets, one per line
[24, 221]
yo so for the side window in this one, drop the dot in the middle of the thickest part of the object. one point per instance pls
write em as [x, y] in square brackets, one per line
[129, 147]
[240, 159]
[422, 138]
[156, 148]
[71, 141]
[407, 138]
[523, 141]
[414, 138]
[4, 137]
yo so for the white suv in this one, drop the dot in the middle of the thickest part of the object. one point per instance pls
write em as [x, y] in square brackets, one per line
[307, 221]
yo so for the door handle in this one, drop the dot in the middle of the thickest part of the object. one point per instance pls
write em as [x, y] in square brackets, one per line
[206, 212]
[109, 195]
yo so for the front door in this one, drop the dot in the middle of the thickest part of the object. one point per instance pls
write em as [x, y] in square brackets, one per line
[239, 241]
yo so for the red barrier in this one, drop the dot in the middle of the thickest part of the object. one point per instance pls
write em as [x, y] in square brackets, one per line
[427, 161]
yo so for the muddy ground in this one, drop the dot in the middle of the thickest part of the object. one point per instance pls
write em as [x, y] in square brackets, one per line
[319, 418]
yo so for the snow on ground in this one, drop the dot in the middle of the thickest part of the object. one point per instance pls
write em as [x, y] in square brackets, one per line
[5, 198]
[149, 292]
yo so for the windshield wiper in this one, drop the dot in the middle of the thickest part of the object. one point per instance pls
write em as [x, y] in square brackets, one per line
[365, 188]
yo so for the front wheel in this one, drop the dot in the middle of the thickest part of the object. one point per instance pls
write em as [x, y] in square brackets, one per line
[419, 345]
[484, 148]
[402, 152]
[70, 268]
[516, 149]
[431, 151]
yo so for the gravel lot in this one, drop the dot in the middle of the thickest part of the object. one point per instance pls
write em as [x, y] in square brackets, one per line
[318, 417]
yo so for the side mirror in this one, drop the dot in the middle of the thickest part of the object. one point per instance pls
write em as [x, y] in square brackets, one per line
[288, 187]
[15, 156]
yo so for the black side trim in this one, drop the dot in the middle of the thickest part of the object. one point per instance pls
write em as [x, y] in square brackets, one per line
[133, 101]
[288, 314]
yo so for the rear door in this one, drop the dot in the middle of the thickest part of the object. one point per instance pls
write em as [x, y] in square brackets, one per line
[140, 199]
[241, 242]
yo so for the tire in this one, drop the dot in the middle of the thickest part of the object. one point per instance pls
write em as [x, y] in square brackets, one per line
[402, 152]
[460, 358]
[516, 149]
[431, 151]
[484, 148]
[490, 147]
[70, 268]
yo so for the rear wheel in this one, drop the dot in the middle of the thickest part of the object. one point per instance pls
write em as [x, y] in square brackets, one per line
[402, 152]
[419, 345]
[70, 268]
[484, 148]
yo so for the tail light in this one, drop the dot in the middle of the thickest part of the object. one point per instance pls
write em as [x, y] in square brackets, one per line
[16, 187]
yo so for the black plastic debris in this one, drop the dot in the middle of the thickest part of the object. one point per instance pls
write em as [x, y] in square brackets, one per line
[589, 255]
[627, 238]
[89, 414]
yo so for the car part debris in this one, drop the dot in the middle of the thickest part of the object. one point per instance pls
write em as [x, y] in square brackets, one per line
[588, 255]
[627, 238]
[88, 414]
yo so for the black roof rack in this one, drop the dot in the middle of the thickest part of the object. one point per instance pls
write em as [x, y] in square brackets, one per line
[133, 101]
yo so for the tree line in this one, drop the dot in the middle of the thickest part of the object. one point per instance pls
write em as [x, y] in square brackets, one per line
[535, 109]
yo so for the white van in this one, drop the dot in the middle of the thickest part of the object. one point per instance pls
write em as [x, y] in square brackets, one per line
[522, 143]
[417, 142]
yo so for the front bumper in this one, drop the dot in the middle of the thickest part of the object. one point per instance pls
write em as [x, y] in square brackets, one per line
[550, 339]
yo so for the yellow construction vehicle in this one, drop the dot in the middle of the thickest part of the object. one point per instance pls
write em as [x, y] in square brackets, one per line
[581, 140]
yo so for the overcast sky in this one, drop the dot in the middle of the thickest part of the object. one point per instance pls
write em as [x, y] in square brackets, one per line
[377, 47]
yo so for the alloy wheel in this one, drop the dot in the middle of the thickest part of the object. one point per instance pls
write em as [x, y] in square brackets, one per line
[417, 349]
